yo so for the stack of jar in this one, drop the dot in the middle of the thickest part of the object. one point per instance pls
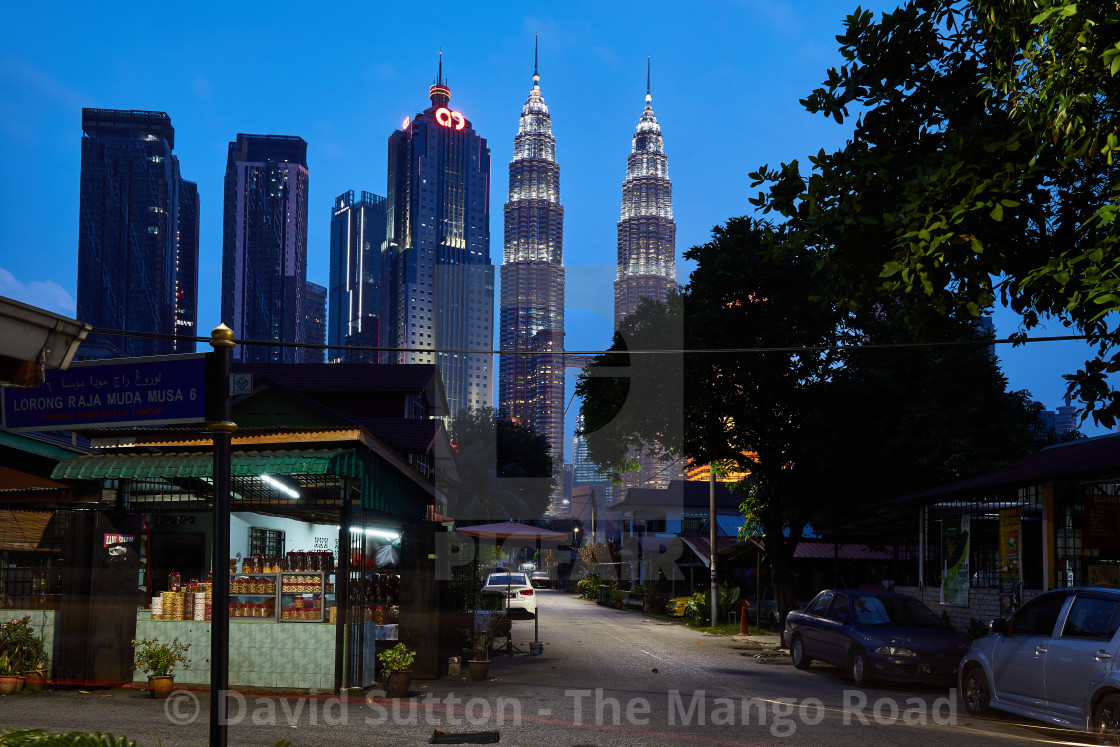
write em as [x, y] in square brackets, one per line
[171, 605]
[309, 561]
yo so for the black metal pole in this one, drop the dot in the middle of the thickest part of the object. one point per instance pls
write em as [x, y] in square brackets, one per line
[221, 339]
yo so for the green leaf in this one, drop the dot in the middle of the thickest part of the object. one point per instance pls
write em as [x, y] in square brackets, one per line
[890, 269]
[997, 212]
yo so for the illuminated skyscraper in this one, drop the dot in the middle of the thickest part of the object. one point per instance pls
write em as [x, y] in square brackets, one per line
[647, 234]
[437, 295]
[357, 233]
[137, 236]
[647, 242]
[264, 246]
[531, 386]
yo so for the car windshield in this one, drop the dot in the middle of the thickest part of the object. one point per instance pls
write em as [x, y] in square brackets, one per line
[911, 613]
[511, 579]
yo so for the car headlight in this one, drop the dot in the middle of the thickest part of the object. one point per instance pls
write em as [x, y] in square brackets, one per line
[894, 651]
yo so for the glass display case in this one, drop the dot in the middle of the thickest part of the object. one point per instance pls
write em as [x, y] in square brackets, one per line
[253, 596]
[306, 596]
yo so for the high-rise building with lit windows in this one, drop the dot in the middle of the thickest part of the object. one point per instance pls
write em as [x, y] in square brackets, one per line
[137, 236]
[437, 294]
[647, 234]
[264, 246]
[357, 233]
[647, 242]
[531, 368]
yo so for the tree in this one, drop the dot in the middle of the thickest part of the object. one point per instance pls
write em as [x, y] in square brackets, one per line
[818, 402]
[980, 169]
[505, 469]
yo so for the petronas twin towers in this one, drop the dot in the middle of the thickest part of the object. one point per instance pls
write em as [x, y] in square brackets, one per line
[531, 369]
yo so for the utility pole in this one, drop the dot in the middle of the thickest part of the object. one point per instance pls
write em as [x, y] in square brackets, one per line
[712, 538]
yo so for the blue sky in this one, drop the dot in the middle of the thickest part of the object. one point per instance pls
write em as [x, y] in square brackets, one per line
[726, 79]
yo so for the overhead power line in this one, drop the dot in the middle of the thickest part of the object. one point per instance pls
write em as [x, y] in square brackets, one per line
[643, 351]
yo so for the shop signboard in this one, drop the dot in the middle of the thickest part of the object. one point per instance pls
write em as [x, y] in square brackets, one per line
[1102, 522]
[115, 392]
[954, 558]
[1010, 570]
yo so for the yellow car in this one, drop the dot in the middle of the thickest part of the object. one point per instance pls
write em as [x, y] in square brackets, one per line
[677, 605]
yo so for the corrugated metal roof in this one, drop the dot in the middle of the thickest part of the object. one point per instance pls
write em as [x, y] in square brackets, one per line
[685, 493]
[245, 463]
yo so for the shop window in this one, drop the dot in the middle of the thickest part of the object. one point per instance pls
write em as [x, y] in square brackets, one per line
[655, 525]
[692, 525]
[266, 542]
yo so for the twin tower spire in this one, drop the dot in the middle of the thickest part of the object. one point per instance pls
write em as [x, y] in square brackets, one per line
[531, 383]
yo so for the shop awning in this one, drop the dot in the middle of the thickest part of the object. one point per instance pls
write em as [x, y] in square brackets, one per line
[28, 531]
[201, 465]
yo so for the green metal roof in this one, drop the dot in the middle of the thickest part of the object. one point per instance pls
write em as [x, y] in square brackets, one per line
[243, 464]
[383, 486]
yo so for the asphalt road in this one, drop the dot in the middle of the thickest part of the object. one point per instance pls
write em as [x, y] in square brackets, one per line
[606, 677]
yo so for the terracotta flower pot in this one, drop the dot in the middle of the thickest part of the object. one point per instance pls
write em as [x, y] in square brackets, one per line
[397, 684]
[160, 685]
[34, 679]
[10, 684]
[479, 670]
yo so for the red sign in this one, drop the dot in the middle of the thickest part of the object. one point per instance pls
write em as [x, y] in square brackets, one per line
[448, 118]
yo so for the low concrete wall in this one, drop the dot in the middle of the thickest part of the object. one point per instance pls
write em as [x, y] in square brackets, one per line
[983, 603]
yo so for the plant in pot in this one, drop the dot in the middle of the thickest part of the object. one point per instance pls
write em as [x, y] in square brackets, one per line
[158, 661]
[24, 655]
[396, 666]
[10, 681]
[480, 639]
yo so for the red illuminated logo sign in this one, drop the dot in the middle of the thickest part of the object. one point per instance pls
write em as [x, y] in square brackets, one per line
[448, 118]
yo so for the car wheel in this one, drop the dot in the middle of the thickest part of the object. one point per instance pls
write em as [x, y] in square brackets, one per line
[797, 653]
[975, 692]
[773, 619]
[1106, 718]
[858, 669]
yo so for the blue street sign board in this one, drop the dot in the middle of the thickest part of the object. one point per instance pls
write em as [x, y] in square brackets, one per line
[120, 391]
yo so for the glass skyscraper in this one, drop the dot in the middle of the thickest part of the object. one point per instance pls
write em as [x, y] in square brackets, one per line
[137, 236]
[531, 368]
[357, 234]
[264, 246]
[437, 294]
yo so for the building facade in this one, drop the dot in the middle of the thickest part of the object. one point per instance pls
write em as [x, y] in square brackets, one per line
[531, 367]
[137, 236]
[437, 294]
[315, 323]
[264, 246]
[357, 234]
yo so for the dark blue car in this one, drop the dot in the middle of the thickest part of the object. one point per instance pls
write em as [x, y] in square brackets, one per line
[875, 635]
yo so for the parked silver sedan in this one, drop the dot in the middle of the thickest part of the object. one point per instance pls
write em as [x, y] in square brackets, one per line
[517, 594]
[1053, 661]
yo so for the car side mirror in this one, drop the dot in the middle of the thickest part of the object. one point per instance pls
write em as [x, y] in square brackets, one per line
[999, 625]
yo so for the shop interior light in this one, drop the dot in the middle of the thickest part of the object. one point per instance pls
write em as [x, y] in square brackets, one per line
[286, 490]
[391, 536]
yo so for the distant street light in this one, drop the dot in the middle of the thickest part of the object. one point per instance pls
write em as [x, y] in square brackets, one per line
[575, 530]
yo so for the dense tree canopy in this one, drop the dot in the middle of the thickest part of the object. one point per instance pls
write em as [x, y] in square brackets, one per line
[504, 469]
[829, 409]
[980, 169]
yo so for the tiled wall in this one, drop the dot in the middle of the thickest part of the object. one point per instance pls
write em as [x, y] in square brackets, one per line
[261, 654]
[42, 621]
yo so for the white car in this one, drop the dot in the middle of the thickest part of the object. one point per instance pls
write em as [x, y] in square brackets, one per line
[516, 591]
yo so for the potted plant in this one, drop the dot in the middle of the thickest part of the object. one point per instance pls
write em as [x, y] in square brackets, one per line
[396, 665]
[10, 681]
[158, 660]
[480, 639]
[23, 652]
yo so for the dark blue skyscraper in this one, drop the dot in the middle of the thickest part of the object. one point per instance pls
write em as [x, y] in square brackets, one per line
[264, 246]
[137, 236]
[437, 294]
[357, 233]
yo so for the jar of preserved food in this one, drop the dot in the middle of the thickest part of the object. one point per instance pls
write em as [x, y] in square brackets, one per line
[174, 581]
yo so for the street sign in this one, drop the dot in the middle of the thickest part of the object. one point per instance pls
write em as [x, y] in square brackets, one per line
[115, 392]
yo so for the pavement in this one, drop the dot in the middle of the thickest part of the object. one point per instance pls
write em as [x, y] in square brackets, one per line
[273, 717]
